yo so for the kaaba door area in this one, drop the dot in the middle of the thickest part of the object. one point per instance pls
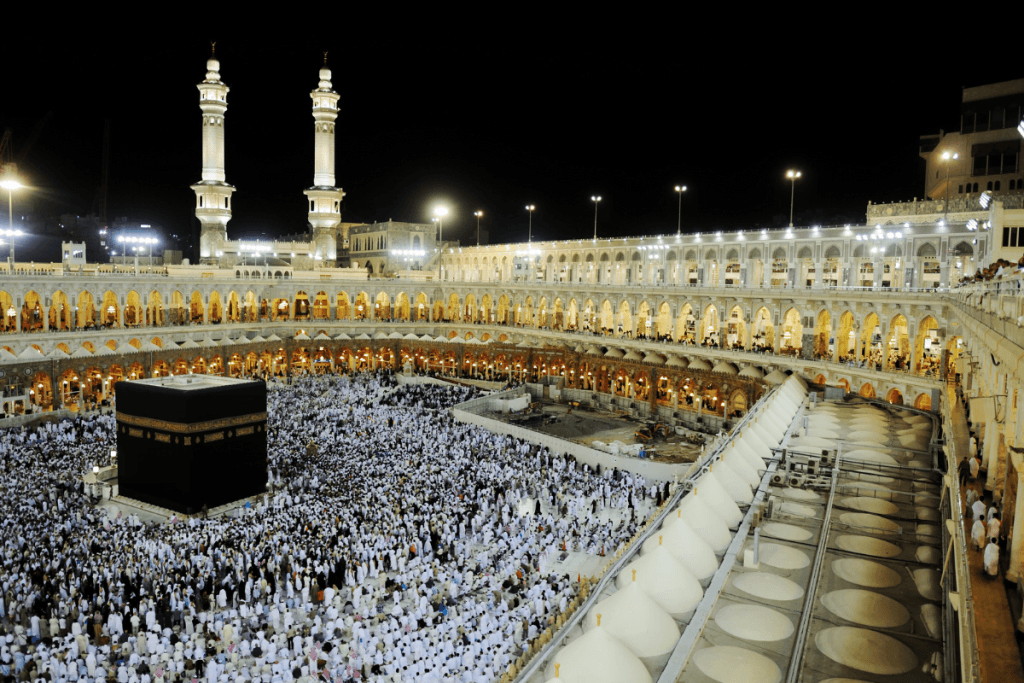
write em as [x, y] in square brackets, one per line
[188, 441]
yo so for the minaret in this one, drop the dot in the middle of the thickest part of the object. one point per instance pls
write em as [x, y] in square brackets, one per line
[213, 195]
[324, 198]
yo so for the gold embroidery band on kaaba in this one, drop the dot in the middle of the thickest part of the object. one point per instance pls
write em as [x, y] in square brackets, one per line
[192, 427]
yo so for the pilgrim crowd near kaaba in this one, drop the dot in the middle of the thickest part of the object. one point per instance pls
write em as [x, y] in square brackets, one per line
[393, 544]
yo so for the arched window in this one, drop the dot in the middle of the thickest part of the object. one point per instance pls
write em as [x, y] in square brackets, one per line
[975, 187]
[996, 188]
[989, 185]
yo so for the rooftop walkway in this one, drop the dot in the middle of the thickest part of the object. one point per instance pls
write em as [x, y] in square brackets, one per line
[1000, 659]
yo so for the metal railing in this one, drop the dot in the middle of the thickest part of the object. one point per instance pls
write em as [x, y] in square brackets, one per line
[958, 547]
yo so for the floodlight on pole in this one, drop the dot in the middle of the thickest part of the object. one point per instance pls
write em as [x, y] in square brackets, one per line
[440, 212]
[478, 214]
[596, 199]
[680, 189]
[948, 157]
[792, 175]
[529, 237]
[11, 186]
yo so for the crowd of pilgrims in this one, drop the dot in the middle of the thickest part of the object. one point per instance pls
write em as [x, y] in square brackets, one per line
[394, 544]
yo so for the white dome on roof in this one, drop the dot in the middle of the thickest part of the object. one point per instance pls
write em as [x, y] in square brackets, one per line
[725, 367]
[734, 485]
[699, 364]
[720, 502]
[752, 371]
[666, 580]
[738, 463]
[775, 377]
[705, 522]
[598, 657]
[639, 622]
[686, 546]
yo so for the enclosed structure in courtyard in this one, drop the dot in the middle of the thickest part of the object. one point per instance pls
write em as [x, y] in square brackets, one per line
[188, 441]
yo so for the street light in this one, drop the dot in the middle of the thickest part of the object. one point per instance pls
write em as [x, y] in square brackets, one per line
[11, 186]
[792, 175]
[948, 157]
[595, 199]
[680, 189]
[529, 237]
[478, 214]
[440, 212]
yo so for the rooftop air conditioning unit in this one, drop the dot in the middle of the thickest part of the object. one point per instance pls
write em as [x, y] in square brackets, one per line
[797, 480]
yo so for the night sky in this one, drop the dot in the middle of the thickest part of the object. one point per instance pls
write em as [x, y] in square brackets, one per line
[477, 116]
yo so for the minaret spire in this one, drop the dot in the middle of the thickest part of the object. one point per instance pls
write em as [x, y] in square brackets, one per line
[213, 194]
[324, 198]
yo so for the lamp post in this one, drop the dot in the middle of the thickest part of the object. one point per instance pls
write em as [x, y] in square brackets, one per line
[440, 212]
[478, 214]
[529, 237]
[948, 157]
[11, 186]
[792, 175]
[680, 189]
[596, 199]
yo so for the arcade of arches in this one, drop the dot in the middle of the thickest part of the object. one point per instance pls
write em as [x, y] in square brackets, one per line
[859, 334]
[88, 381]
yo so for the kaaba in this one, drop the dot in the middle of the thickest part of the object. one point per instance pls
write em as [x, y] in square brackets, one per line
[191, 440]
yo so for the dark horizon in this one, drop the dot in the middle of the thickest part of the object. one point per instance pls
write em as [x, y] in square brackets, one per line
[486, 129]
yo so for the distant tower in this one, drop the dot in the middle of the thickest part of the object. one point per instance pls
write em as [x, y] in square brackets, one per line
[324, 198]
[213, 195]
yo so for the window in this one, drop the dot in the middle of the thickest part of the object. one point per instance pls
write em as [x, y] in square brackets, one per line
[996, 188]
[312, 206]
[995, 158]
[975, 187]
[1009, 162]
[997, 114]
[1013, 237]
[989, 186]
[960, 190]
[200, 201]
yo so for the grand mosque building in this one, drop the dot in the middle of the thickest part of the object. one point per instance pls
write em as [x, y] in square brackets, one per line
[680, 327]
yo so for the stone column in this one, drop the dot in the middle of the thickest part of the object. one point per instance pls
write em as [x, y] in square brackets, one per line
[807, 344]
[992, 456]
[1017, 540]
[884, 328]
